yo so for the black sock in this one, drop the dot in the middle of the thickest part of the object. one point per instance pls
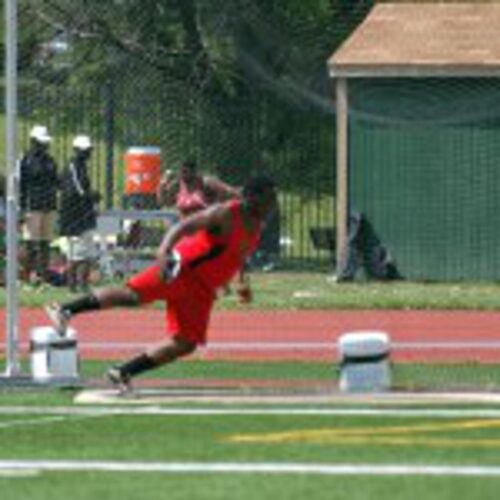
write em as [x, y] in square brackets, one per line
[137, 365]
[83, 304]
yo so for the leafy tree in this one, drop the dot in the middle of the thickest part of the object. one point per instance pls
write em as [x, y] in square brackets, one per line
[244, 70]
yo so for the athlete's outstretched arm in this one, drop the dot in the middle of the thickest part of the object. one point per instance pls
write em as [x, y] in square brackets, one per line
[222, 190]
[216, 218]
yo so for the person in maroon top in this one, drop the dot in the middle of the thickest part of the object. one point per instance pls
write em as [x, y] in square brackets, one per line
[189, 191]
[197, 256]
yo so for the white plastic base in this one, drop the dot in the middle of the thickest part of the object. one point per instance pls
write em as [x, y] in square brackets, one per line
[53, 357]
[364, 362]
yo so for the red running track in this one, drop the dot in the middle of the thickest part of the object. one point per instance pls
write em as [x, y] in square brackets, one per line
[290, 335]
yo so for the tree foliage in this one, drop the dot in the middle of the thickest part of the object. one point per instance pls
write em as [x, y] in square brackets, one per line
[241, 68]
[212, 43]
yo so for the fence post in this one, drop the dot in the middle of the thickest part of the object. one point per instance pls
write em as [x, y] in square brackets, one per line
[110, 141]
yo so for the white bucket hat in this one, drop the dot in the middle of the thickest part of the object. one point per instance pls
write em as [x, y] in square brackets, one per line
[40, 134]
[82, 142]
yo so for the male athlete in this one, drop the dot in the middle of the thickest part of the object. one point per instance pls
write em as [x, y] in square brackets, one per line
[199, 255]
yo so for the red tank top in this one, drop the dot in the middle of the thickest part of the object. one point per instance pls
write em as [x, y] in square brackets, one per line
[190, 201]
[215, 260]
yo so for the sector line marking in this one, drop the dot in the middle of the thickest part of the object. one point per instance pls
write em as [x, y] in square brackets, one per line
[391, 435]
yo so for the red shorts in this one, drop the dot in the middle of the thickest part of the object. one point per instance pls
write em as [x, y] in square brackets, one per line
[188, 302]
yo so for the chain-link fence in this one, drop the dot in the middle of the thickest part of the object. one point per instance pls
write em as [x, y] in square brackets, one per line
[239, 87]
[116, 99]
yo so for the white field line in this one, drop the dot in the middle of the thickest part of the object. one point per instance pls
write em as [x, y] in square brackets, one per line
[279, 346]
[43, 420]
[21, 473]
[252, 468]
[279, 411]
[37, 421]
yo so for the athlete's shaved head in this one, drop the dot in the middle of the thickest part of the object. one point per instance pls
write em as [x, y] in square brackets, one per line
[260, 194]
[257, 185]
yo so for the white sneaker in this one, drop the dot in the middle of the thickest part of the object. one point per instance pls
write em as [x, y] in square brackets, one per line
[59, 317]
[122, 382]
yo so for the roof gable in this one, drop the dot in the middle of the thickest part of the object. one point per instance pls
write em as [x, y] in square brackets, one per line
[457, 39]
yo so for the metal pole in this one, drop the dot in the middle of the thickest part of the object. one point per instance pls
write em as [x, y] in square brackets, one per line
[12, 362]
[342, 173]
[110, 142]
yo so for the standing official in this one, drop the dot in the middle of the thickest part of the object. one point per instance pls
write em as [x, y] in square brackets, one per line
[78, 215]
[39, 184]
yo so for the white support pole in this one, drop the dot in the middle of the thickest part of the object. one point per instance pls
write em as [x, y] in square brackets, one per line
[342, 172]
[12, 355]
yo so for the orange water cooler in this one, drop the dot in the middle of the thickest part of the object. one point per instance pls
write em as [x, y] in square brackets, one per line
[142, 176]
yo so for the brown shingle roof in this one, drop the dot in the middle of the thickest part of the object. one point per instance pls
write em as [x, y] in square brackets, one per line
[458, 39]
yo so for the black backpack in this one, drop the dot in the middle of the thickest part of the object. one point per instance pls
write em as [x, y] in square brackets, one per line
[366, 253]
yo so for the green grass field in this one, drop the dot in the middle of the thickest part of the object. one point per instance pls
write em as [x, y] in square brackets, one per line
[317, 290]
[52, 448]
[216, 452]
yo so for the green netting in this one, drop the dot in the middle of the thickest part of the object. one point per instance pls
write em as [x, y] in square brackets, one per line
[424, 170]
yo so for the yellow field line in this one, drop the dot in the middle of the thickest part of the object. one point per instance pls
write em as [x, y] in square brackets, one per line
[372, 434]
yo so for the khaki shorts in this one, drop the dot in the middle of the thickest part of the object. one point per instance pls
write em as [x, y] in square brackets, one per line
[81, 247]
[40, 226]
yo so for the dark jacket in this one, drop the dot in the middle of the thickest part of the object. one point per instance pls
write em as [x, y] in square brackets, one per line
[77, 212]
[39, 182]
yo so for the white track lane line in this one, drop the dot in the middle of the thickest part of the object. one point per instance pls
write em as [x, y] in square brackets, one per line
[278, 346]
